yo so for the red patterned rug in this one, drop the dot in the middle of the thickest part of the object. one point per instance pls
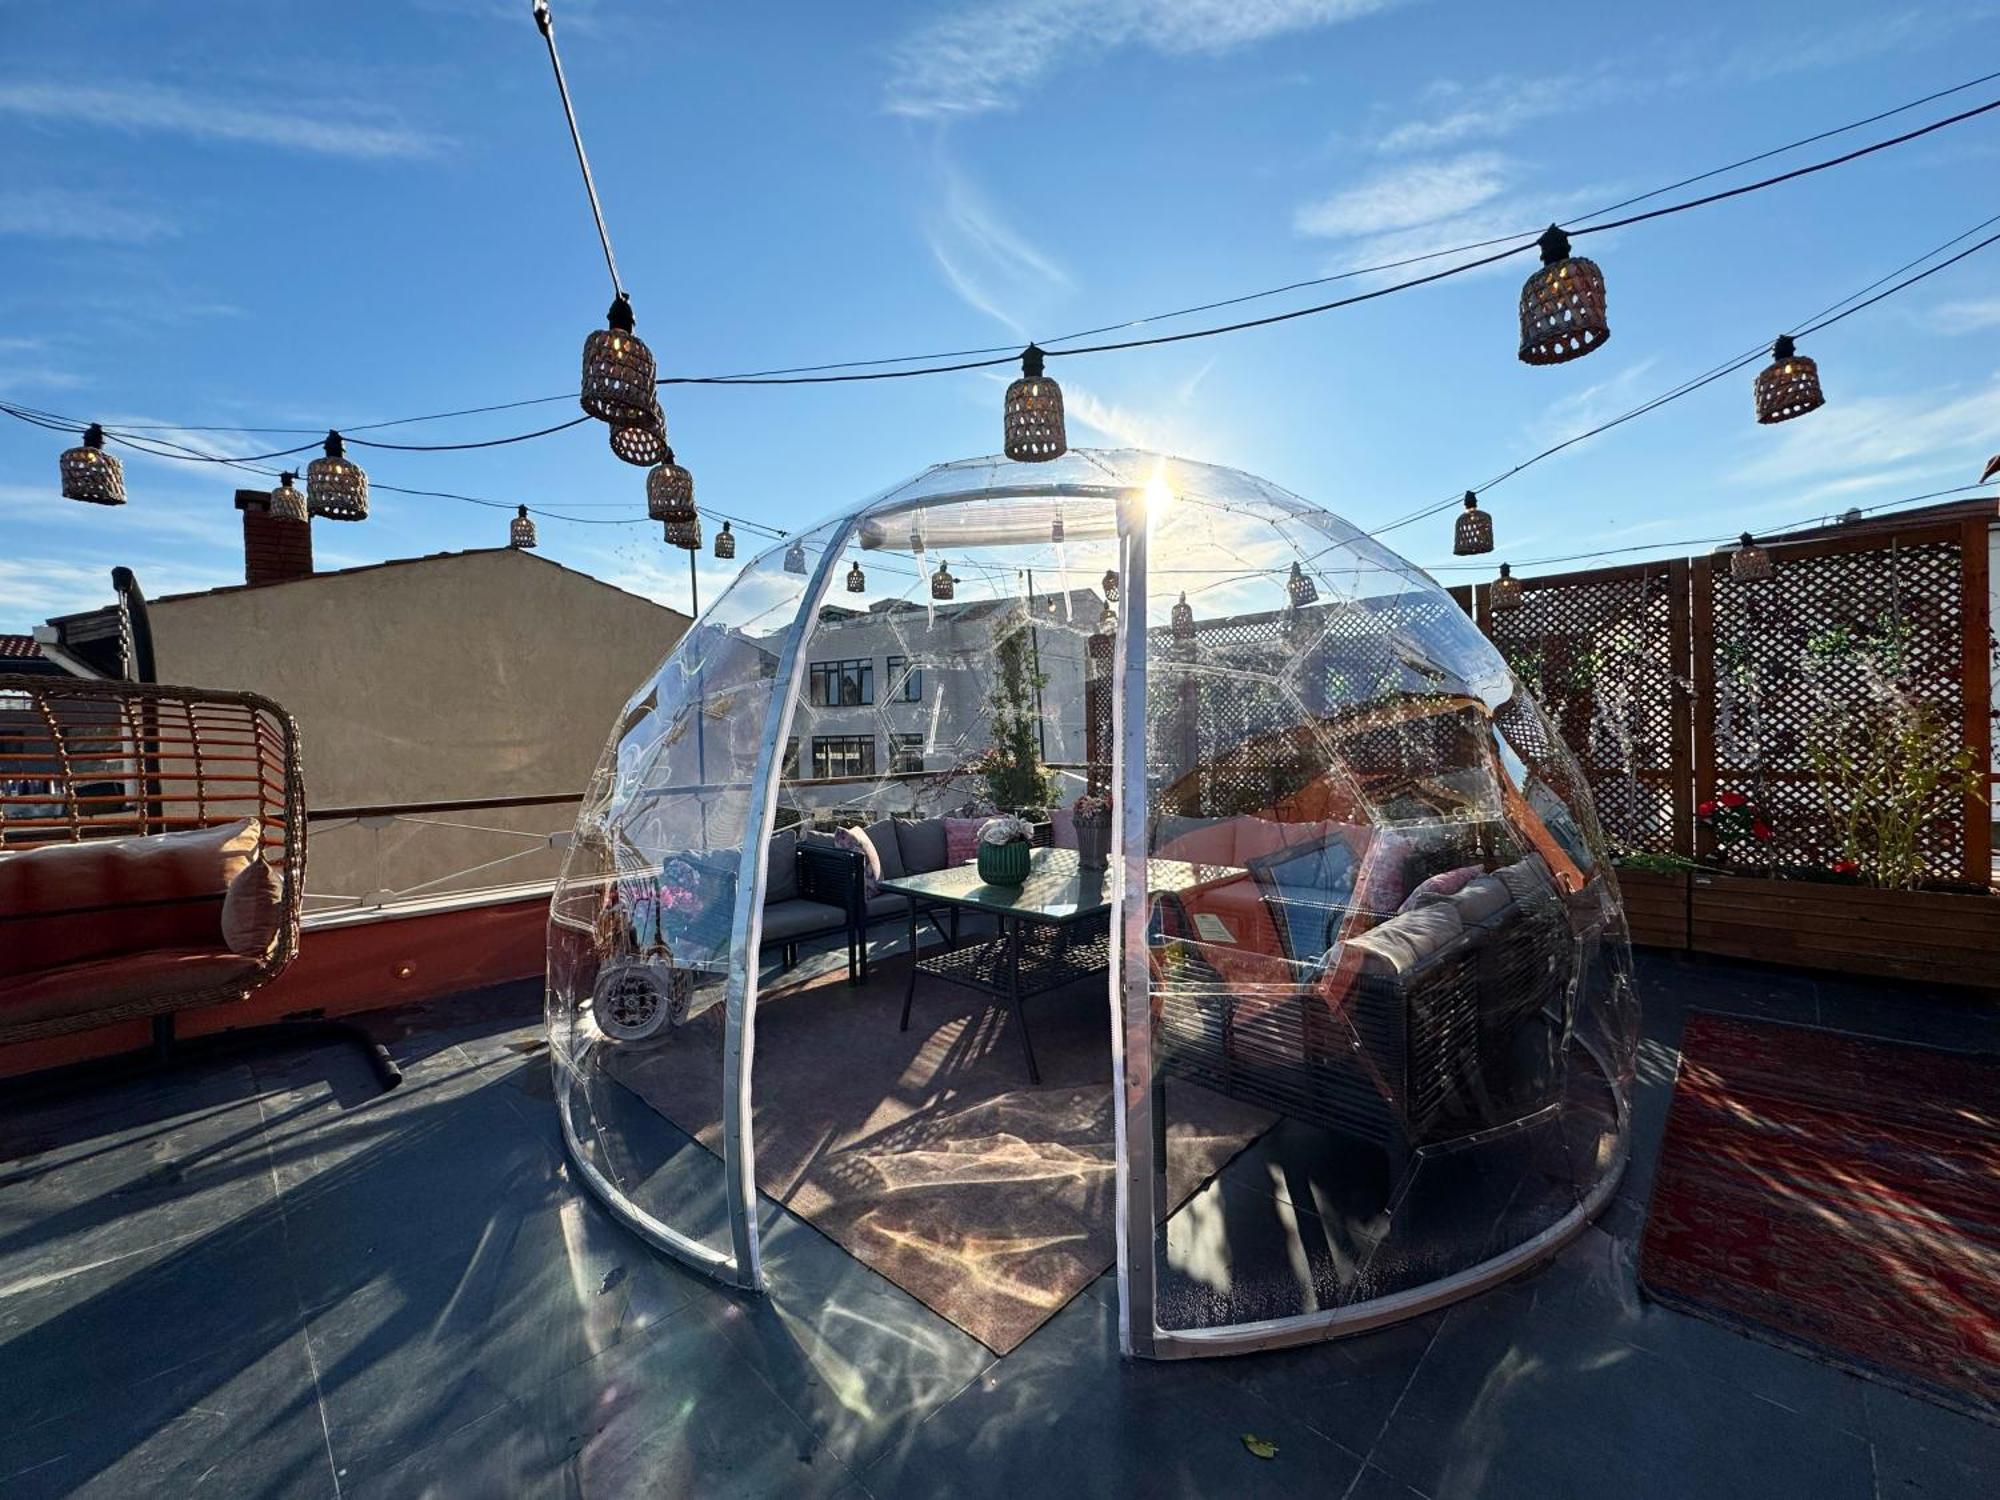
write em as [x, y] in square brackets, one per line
[1838, 1195]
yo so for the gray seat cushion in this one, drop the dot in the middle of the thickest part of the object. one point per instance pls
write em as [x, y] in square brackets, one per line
[1481, 900]
[888, 848]
[784, 920]
[1409, 940]
[889, 903]
[781, 870]
[922, 845]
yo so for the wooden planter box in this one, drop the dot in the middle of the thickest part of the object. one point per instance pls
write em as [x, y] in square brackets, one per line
[1920, 935]
[1656, 907]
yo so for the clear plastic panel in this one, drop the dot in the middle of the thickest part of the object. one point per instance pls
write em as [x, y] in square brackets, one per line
[647, 929]
[1378, 912]
[1359, 913]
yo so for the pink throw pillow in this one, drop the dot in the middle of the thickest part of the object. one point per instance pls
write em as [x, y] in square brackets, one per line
[1444, 883]
[961, 839]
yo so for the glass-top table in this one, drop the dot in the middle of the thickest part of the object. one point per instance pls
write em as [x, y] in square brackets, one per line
[1068, 907]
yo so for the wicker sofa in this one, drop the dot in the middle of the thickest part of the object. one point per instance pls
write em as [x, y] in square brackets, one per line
[1430, 1009]
[152, 852]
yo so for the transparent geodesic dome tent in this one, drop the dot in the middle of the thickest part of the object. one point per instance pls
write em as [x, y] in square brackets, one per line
[1342, 1028]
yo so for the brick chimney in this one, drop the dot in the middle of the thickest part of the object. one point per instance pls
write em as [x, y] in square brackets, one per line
[274, 550]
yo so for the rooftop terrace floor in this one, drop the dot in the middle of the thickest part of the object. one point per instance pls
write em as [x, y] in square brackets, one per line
[263, 1278]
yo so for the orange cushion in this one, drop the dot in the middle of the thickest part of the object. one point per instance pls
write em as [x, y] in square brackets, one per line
[87, 989]
[68, 903]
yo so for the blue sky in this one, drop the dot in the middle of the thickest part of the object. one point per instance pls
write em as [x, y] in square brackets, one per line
[307, 214]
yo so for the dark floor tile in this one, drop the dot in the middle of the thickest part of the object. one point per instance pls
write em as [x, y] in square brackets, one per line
[1064, 1414]
[1514, 1400]
[672, 1415]
[858, 1358]
[91, 1185]
[1940, 1016]
[1673, 987]
[1923, 1449]
[430, 1346]
[251, 1427]
[1377, 1484]
[1343, 1389]
[75, 1340]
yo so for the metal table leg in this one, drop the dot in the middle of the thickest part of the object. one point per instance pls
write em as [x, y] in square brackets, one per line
[1014, 995]
[910, 989]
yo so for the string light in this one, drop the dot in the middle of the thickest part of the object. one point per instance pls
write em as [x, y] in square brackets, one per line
[1473, 532]
[685, 534]
[857, 581]
[795, 558]
[1789, 385]
[618, 371]
[336, 489]
[1033, 415]
[643, 445]
[916, 542]
[943, 585]
[1183, 625]
[1749, 563]
[90, 474]
[1505, 593]
[1111, 586]
[287, 502]
[521, 530]
[670, 491]
[725, 542]
[1562, 305]
[1300, 590]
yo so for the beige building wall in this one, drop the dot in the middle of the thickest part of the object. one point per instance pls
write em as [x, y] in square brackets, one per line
[486, 674]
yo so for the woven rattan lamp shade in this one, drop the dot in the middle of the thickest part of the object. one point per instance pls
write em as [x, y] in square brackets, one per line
[669, 490]
[1183, 622]
[618, 371]
[645, 444]
[1034, 414]
[1562, 305]
[288, 503]
[336, 489]
[795, 558]
[1749, 563]
[521, 530]
[90, 474]
[1506, 590]
[857, 581]
[683, 534]
[943, 585]
[725, 542]
[1473, 532]
[1300, 589]
[1788, 386]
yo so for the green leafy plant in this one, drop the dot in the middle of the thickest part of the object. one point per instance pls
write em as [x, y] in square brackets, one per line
[1010, 770]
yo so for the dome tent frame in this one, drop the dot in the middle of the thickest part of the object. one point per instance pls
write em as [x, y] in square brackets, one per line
[960, 507]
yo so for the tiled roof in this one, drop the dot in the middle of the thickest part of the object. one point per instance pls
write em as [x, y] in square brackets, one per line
[19, 647]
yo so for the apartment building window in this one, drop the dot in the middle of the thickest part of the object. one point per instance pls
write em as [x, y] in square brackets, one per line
[842, 684]
[843, 755]
[906, 683]
[906, 752]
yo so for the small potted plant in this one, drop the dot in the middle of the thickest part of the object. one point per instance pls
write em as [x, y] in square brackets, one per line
[1004, 850]
[1092, 812]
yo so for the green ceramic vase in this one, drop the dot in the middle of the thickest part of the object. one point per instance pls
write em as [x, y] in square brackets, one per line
[1003, 864]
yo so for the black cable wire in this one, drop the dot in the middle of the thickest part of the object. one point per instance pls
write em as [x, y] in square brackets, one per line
[972, 359]
[519, 437]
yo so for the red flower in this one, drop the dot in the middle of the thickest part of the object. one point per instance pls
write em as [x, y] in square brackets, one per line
[1760, 830]
[1706, 810]
[1734, 799]
[1846, 867]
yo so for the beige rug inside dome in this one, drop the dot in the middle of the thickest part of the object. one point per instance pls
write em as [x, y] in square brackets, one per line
[927, 1154]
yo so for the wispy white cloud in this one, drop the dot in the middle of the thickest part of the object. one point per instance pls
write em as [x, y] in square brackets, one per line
[1405, 197]
[1453, 113]
[36, 588]
[985, 260]
[1966, 317]
[986, 57]
[73, 214]
[1860, 440]
[1597, 402]
[148, 109]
